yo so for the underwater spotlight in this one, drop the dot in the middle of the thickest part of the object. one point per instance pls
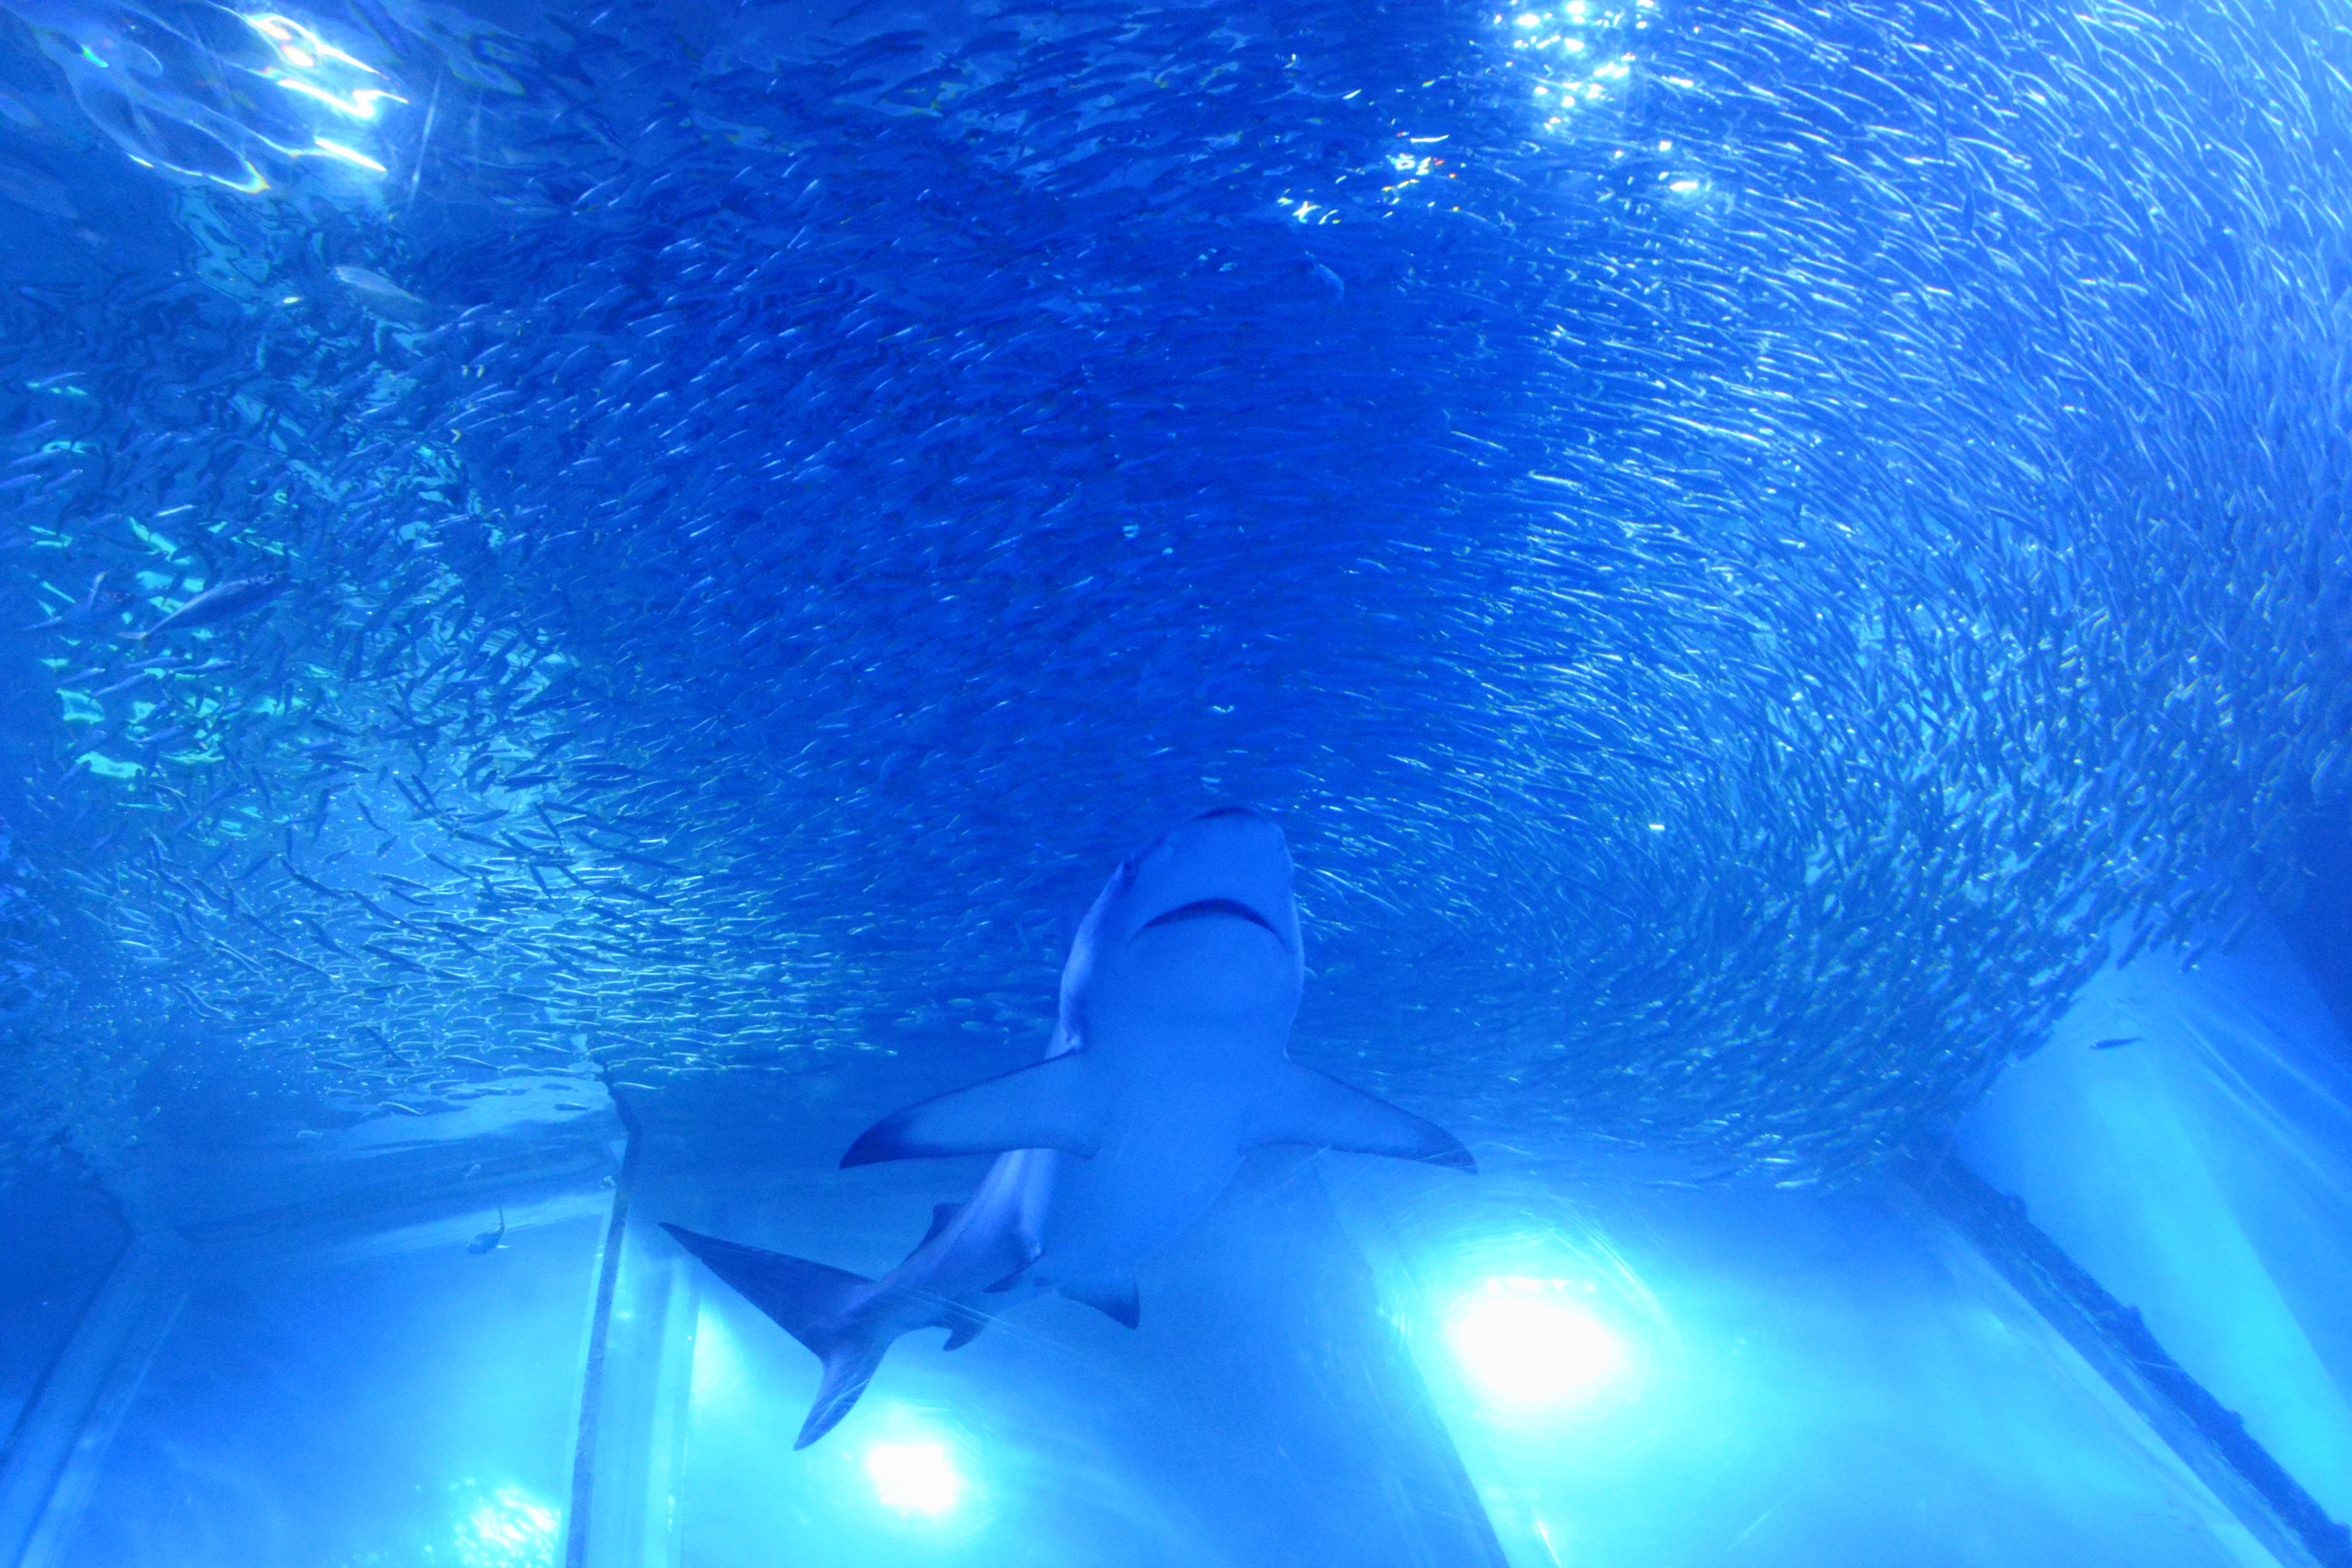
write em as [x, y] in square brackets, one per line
[917, 1477]
[1533, 1345]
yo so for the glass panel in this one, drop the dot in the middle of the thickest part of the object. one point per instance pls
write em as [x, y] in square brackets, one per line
[57, 1238]
[2187, 1138]
[1759, 1377]
[408, 1408]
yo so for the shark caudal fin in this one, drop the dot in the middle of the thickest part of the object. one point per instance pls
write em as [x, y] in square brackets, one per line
[806, 1300]
[809, 1302]
[847, 1371]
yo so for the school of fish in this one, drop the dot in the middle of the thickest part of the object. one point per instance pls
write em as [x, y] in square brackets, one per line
[1744, 544]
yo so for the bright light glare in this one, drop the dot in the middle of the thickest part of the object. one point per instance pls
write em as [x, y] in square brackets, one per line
[301, 47]
[914, 1478]
[511, 1528]
[359, 104]
[322, 148]
[1532, 1344]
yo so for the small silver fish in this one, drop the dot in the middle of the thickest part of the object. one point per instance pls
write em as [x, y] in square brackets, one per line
[219, 602]
[381, 297]
[100, 601]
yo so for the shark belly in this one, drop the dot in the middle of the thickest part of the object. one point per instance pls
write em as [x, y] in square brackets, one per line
[1112, 1212]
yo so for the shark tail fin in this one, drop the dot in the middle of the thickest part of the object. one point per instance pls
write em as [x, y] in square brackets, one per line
[806, 1300]
[809, 1302]
[847, 1370]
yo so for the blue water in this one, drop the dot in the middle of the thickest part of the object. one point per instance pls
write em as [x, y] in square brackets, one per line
[586, 597]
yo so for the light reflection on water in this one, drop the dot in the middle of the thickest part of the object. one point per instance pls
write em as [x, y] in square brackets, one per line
[211, 93]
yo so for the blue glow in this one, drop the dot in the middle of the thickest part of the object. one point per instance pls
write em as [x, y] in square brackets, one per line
[1532, 1344]
[718, 1375]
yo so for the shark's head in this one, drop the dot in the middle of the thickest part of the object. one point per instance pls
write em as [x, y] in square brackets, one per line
[1227, 865]
[1200, 926]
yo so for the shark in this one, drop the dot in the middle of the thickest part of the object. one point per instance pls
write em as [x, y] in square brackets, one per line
[1167, 1065]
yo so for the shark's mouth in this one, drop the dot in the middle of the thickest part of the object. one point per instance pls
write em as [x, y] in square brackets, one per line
[1211, 909]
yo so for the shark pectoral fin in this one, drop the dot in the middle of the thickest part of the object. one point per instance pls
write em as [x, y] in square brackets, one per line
[1115, 1298]
[1048, 1106]
[1308, 1108]
[805, 1299]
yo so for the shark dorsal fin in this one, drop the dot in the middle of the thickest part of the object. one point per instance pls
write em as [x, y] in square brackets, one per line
[942, 1216]
[1052, 1105]
[1307, 1107]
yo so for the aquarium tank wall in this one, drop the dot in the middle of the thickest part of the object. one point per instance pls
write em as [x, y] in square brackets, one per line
[1379, 785]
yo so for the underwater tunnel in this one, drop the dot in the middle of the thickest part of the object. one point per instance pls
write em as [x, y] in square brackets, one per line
[1739, 615]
